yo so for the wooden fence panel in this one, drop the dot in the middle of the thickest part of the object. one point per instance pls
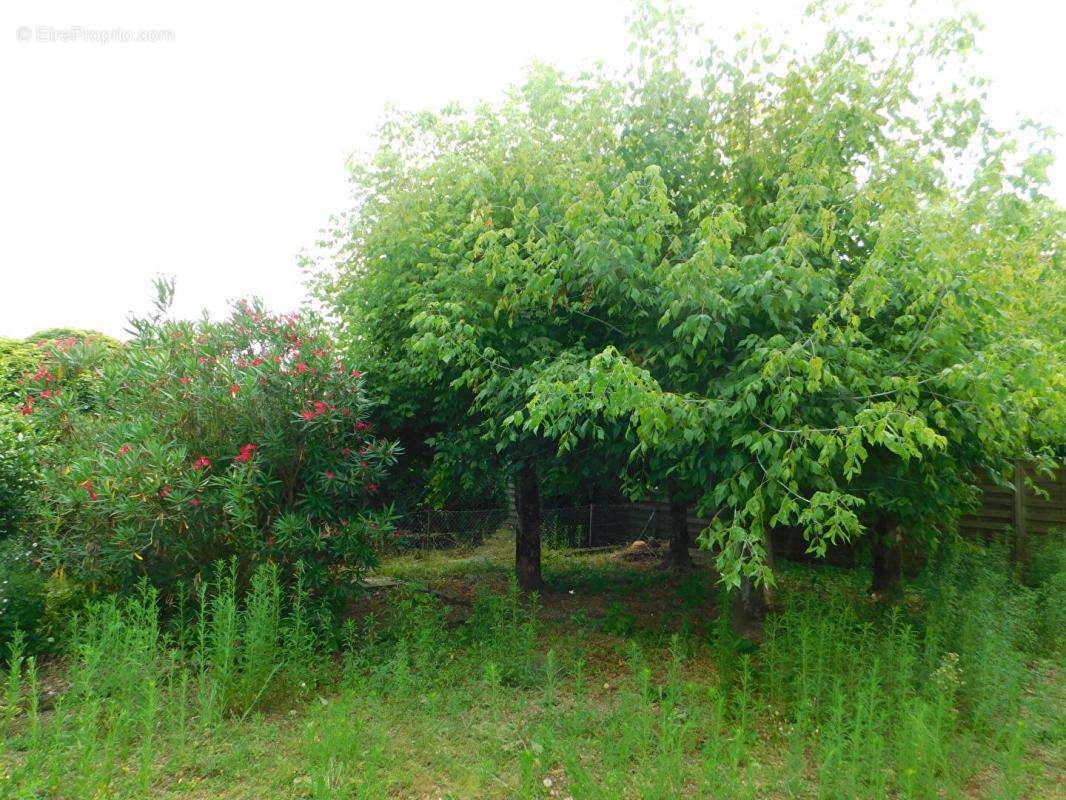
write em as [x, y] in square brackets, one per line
[1020, 508]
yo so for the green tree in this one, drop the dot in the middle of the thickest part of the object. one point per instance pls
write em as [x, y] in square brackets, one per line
[792, 289]
[862, 296]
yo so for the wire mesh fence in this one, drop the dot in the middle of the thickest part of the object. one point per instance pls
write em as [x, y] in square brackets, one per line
[591, 525]
[434, 529]
[596, 524]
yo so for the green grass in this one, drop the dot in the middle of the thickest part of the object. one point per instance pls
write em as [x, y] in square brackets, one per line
[622, 681]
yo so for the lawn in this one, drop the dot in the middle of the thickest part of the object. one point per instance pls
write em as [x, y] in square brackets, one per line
[621, 680]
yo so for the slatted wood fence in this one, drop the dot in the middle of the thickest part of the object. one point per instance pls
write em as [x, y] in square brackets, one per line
[1020, 507]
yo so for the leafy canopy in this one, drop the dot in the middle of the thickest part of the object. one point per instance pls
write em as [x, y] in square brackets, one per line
[811, 289]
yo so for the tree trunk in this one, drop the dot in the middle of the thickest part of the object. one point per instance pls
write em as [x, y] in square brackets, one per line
[749, 608]
[679, 557]
[752, 602]
[887, 559]
[527, 537]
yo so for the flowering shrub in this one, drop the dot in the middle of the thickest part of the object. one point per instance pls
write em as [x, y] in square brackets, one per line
[247, 438]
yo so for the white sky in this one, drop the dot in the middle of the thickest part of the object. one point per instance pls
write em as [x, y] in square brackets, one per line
[217, 157]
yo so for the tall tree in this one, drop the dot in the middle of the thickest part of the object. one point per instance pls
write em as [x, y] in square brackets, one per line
[844, 304]
[790, 287]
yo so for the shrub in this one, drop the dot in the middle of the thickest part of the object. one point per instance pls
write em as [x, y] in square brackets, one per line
[16, 359]
[22, 598]
[18, 470]
[50, 335]
[246, 439]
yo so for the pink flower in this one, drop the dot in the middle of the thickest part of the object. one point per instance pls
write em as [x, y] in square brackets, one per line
[124, 449]
[356, 373]
[329, 475]
[164, 492]
[203, 462]
[307, 415]
[185, 380]
[301, 367]
[194, 502]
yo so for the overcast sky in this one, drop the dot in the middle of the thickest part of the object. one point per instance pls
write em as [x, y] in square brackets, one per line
[218, 156]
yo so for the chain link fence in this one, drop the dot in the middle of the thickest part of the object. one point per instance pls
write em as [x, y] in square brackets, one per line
[431, 529]
[592, 525]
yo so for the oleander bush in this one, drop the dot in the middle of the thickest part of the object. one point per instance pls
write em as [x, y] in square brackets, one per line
[246, 439]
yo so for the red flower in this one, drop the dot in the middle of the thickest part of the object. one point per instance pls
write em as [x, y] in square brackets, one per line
[27, 408]
[256, 362]
[247, 452]
[301, 367]
[89, 488]
[277, 359]
[233, 389]
[185, 380]
[346, 451]
[346, 412]
[164, 492]
[362, 426]
[194, 502]
[124, 449]
[307, 415]
[356, 373]
[203, 462]
[320, 407]
[203, 359]
[372, 487]
[329, 475]
[46, 393]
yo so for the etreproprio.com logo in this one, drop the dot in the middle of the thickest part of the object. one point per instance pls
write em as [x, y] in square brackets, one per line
[77, 34]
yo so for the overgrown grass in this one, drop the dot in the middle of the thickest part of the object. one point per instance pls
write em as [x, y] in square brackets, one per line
[955, 692]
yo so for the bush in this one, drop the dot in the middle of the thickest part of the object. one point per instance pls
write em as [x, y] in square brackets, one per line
[246, 439]
[22, 598]
[18, 470]
[16, 359]
[51, 335]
